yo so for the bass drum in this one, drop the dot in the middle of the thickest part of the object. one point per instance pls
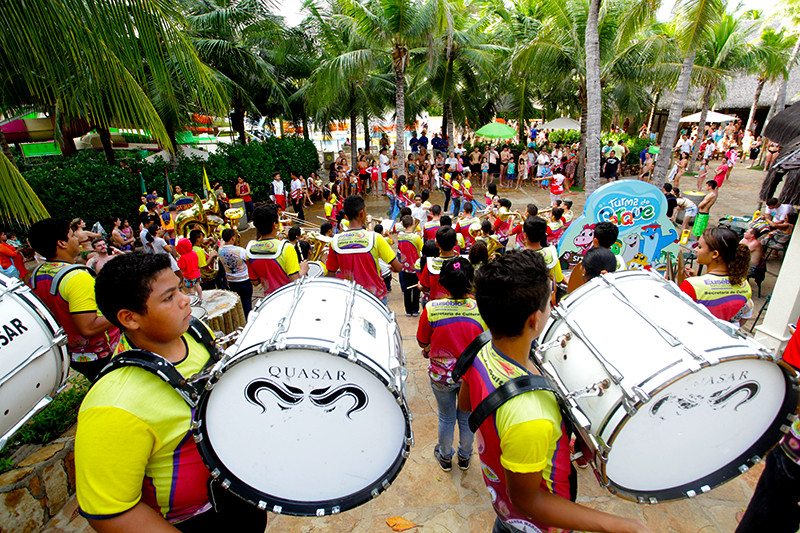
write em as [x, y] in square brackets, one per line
[672, 401]
[34, 363]
[307, 414]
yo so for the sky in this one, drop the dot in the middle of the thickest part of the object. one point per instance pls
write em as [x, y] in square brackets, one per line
[291, 9]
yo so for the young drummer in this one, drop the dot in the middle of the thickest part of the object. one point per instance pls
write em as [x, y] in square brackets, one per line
[524, 446]
[136, 464]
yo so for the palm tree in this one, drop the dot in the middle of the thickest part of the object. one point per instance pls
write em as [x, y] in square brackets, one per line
[722, 55]
[774, 47]
[594, 106]
[692, 22]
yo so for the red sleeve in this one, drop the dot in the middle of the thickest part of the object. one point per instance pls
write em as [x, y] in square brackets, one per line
[424, 329]
[333, 262]
[517, 229]
[497, 223]
[251, 274]
[424, 279]
[688, 288]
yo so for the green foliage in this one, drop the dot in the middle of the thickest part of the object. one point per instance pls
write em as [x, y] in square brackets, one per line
[85, 186]
[634, 144]
[564, 136]
[50, 422]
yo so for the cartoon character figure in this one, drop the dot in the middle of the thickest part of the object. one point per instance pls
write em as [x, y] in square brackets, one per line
[630, 246]
[653, 241]
[584, 239]
[639, 262]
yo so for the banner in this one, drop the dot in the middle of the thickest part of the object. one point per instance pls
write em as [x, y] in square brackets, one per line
[639, 209]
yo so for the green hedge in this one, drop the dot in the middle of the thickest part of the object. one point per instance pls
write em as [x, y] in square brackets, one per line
[634, 144]
[85, 186]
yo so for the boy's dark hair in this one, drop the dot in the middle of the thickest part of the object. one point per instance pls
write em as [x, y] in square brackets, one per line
[227, 234]
[378, 229]
[557, 213]
[429, 249]
[45, 234]
[486, 227]
[772, 202]
[456, 277]
[568, 204]
[535, 229]
[126, 282]
[516, 280]
[193, 235]
[294, 233]
[478, 253]
[436, 209]
[273, 174]
[504, 202]
[264, 218]
[424, 195]
[325, 227]
[446, 238]
[446, 220]
[668, 187]
[713, 184]
[606, 234]
[353, 205]
[407, 221]
[96, 240]
[305, 250]
[326, 194]
[597, 260]
[532, 210]
[468, 207]
[405, 211]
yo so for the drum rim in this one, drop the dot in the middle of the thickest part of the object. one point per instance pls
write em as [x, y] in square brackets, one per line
[280, 505]
[758, 450]
[332, 280]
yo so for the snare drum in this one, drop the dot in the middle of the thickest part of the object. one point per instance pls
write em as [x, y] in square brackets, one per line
[315, 269]
[199, 313]
[671, 401]
[34, 363]
[306, 415]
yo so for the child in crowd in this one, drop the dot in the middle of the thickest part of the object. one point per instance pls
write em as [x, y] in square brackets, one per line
[484, 170]
[445, 329]
[190, 266]
[429, 252]
[409, 246]
[429, 280]
[510, 173]
[137, 467]
[386, 270]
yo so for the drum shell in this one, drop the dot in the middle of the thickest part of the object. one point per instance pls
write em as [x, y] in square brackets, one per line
[660, 375]
[315, 333]
[34, 363]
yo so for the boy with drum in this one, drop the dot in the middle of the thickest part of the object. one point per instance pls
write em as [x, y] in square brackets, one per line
[524, 445]
[137, 466]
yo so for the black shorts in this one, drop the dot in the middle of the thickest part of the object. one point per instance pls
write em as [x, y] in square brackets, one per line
[475, 169]
[494, 168]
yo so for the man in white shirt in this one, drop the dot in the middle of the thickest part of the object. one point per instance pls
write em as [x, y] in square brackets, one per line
[684, 144]
[234, 260]
[459, 150]
[419, 213]
[775, 212]
[711, 147]
[542, 161]
[383, 162]
[297, 196]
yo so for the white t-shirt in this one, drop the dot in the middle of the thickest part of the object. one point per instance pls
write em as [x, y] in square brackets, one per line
[143, 238]
[419, 213]
[780, 213]
[453, 162]
[159, 247]
[542, 160]
[384, 162]
[458, 151]
[710, 148]
[234, 260]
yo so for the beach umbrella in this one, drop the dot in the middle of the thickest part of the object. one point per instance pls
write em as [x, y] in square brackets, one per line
[495, 130]
[562, 123]
[711, 117]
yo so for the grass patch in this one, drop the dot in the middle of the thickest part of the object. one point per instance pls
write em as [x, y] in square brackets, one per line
[757, 167]
[48, 423]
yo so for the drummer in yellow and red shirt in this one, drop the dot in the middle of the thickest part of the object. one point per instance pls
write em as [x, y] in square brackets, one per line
[137, 467]
[355, 252]
[272, 262]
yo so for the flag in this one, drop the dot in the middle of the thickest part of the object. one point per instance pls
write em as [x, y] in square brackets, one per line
[169, 187]
[141, 182]
[206, 185]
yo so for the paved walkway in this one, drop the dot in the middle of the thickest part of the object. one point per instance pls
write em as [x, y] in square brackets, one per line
[457, 501]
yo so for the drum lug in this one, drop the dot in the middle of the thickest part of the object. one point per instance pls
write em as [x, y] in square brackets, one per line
[643, 396]
[277, 509]
[262, 505]
[595, 389]
[336, 509]
[61, 340]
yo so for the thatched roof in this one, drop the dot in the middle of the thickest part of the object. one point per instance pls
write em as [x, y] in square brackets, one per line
[785, 129]
[740, 92]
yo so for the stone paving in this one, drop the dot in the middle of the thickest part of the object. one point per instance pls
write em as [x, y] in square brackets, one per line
[457, 501]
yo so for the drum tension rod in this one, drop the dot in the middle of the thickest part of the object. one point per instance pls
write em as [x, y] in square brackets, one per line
[595, 389]
[561, 340]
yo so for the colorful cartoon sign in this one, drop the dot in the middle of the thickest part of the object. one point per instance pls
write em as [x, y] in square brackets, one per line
[646, 235]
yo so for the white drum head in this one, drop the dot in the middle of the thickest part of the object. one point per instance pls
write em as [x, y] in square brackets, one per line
[695, 427]
[301, 431]
[315, 269]
[199, 312]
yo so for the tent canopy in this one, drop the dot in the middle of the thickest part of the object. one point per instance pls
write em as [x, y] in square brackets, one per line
[563, 123]
[496, 130]
[711, 117]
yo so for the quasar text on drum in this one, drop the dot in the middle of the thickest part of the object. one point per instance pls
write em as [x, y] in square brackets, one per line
[313, 373]
[10, 333]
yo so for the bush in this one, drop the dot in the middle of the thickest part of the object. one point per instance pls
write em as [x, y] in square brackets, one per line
[564, 136]
[85, 186]
[635, 144]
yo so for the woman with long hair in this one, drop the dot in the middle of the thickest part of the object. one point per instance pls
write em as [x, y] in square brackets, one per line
[724, 290]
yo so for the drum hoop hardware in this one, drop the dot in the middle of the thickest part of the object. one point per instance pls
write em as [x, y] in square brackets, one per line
[40, 351]
[343, 346]
[277, 342]
[561, 340]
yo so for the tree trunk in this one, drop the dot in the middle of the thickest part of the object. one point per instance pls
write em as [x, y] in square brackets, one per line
[400, 103]
[752, 116]
[451, 127]
[305, 126]
[6, 149]
[673, 121]
[652, 113]
[580, 170]
[594, 105]
[445, 118]
[173, 156]
[105, 139]
[280, 126]
[365, 120]
[700, 129]
[353, 132]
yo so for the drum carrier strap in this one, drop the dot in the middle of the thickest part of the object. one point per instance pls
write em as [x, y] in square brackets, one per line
[60, 275]
[509, 389]
[159, 366]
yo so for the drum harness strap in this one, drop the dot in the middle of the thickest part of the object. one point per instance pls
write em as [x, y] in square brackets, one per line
[510, 389]
[157, 365]
[60, 275]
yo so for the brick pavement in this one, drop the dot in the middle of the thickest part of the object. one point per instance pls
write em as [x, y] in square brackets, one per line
[457, 501]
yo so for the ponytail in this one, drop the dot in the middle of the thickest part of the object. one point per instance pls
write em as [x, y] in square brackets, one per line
[740, 265]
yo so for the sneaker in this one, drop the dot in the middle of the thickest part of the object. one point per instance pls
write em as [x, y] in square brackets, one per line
[463, 463]
[415, 314]
[445, 464]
